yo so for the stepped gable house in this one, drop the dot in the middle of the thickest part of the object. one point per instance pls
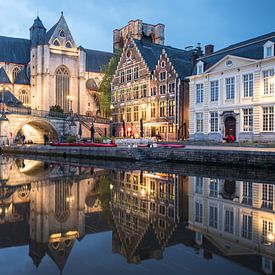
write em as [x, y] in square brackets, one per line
[47, 68]
[149, 88]
[232, 92]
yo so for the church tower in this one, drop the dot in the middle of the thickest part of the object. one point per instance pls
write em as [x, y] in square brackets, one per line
[37, 32]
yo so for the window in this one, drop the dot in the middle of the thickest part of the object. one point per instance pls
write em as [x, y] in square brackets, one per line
[162, 210]
[230, 87]
[136, 72]
[128, 114]
[267, 230]
[199, 185]
[162, 89]
[198, 212]
[248, 85]
[122, 95]
[15, 73]
[214, 122]
[213, 188]
[129, 75]
[136, 92]
[267, 196]
[162, 108]
[143, 90]
[268, 51]
[24, 98]
[121, 115]
[153, 110]
[171, 109]
[171, 128]
[247, 192]
[268, 76]
[199, 122]
[247, 227]
[122, 77]
[162, 129]
[68, 44]
[128, 94]
[143, 113]
[200, 67]
[199, 89]
[248, 120]
[213, 216]
[56, 42]
[153, 91]
[62, 33]
[162, 64]
[229, 221]
[162, 76]
[62, 88]
[268, 119]
[171, 87]
[171, 191]
[135, 113]
[214, 90]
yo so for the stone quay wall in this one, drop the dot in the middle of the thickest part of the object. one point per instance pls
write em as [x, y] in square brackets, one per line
[218, 157]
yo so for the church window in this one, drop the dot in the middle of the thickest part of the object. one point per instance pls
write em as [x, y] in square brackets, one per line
[68, 44]
[62, 193]
[24, 97]
[62, 88]
[62, 33]
[15, 72]
[56, 42]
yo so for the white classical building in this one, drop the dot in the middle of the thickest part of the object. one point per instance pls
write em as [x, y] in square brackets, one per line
[232, 92]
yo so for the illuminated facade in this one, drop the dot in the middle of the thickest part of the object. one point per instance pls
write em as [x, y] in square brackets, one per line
[150, 91]
[232, 92]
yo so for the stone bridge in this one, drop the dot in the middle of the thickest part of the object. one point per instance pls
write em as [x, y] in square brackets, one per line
[15, 122]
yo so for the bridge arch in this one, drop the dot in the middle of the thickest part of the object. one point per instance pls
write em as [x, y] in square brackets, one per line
[35, 129]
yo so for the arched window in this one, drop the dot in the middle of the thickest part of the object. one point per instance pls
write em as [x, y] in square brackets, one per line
[62, 88]
[68, 44]
[15, 73]
[56, 42]
[24, 97]
[62, 193]
[62, 33]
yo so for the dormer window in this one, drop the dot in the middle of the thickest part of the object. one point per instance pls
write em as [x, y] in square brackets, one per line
[268, 49]
[68, 45]
[200, 67]
[56, 42]
[62, 33]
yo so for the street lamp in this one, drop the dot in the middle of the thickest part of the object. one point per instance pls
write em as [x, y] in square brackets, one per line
[70, 98]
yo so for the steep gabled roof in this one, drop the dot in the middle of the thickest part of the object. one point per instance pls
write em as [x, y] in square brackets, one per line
[9, 99]
[251, 48]
[3, 76]
[22, 77]
[96, 60]
[14, 50]
[180, 59]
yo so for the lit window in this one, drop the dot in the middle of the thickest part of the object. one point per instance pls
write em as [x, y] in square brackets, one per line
[162, 109]
[24, 98]
[171, 109]
[153, 110]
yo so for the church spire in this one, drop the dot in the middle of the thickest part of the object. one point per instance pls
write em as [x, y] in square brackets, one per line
[37, 32]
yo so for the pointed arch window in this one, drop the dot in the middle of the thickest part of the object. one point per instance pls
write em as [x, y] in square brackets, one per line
[62, 88]
[68, 44]
[24, 97]
[62, 33]
[56, 42]
[15, 73]
[62, 193]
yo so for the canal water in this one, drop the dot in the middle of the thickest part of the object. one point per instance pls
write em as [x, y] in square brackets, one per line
[61, 216]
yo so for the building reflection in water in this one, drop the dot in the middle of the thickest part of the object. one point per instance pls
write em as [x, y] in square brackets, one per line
[49, 207]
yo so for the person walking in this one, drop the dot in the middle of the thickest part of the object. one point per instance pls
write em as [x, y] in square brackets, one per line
[92, 133]
[23, 138]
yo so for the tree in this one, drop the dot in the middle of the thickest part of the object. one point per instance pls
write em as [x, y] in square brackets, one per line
[56, 109]
[104, 97]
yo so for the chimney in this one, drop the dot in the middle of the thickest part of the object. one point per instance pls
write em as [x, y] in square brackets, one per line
[208, 49]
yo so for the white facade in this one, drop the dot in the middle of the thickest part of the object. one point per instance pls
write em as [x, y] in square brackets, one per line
[234, 96]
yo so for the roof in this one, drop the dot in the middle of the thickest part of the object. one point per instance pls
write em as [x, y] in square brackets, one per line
[37, 23]
[8, 98]
[96, 60]
[14, 50]
[180, 59]
[251, 48]
[3, 76]
[22, 77]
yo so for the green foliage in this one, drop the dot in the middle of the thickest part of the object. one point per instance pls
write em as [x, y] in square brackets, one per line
[104, 98]
[71, 139]
[56, 109]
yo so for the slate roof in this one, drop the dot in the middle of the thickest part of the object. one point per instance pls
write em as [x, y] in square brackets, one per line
[252, 48]
[14, 50]
[22, 77]
[9, 99]
[180, 59]
[3, 76]
[95, 60]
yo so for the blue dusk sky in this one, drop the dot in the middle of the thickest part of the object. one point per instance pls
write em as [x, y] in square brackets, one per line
[218, 22]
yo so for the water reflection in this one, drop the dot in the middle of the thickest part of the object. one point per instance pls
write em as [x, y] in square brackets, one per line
[51, 206]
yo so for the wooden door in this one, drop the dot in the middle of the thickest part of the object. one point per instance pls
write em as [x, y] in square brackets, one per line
[230, 126]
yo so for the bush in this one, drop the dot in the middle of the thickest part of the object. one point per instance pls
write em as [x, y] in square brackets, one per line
[71, 139]
[98, 140]
[56, 109]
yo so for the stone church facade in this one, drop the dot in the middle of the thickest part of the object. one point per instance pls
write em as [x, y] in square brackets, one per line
[51, 69]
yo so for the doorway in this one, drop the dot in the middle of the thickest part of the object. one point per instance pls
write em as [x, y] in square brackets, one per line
[230, 126]
[153, 131]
